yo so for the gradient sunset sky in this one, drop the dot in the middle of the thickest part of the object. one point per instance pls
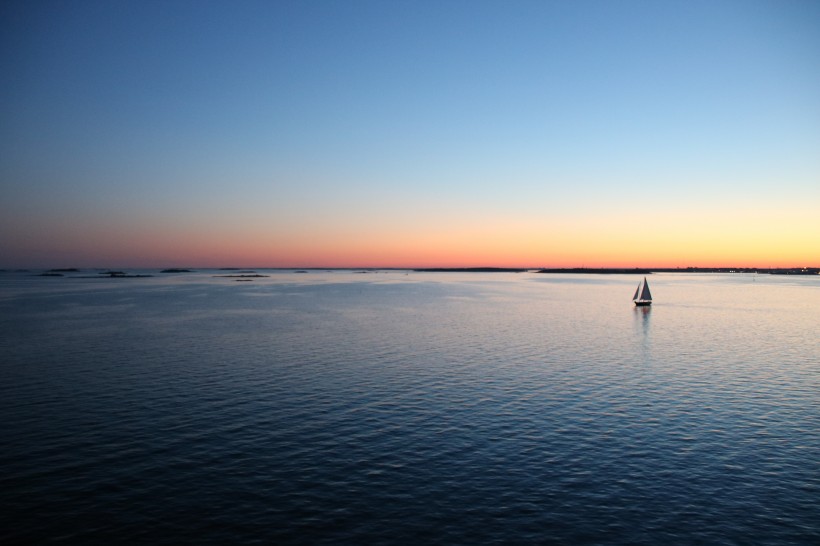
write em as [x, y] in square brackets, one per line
[409, 133]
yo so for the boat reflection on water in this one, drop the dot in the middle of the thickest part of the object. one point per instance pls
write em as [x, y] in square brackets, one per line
[642, 314]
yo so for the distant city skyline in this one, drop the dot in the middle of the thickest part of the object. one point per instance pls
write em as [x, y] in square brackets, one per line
[409, 134]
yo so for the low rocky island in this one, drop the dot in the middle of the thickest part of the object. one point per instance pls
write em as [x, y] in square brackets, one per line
[58, 272]
[120, 275]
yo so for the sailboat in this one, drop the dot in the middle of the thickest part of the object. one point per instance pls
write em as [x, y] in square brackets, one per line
[642, 295]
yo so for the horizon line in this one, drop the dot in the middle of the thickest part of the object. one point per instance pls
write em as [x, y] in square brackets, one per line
[418, 268]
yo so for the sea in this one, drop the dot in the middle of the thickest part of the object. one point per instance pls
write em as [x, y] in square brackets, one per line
[393, 407]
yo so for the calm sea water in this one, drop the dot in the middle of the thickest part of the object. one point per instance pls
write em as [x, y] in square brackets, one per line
[410, 408]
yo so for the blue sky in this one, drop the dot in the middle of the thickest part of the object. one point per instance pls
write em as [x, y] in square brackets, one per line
[260, 115]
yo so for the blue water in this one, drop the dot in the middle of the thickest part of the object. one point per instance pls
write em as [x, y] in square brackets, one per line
[409, 408]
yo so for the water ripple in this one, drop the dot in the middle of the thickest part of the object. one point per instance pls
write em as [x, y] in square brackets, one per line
[398, 412]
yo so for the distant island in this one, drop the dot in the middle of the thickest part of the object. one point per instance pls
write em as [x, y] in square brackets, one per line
[121, 275]
[101, 275]
[255, 275]
[58, 272]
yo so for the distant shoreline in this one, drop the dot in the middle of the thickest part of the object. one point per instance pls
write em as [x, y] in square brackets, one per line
[562, 270]
[649, 271]
[631, 271]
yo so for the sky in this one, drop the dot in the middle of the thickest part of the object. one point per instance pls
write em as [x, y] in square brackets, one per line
[409, 133]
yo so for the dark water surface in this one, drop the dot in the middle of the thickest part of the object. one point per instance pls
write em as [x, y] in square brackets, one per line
[420, 408]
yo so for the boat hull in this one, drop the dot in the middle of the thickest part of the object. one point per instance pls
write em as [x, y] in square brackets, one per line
[643, 303]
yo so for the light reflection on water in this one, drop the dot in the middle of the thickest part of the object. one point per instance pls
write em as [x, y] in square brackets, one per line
[395, 407]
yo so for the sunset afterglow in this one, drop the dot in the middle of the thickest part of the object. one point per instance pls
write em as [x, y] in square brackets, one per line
[522, 134]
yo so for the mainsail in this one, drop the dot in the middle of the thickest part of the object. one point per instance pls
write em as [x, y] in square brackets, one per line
[642, 294]
[645, 293]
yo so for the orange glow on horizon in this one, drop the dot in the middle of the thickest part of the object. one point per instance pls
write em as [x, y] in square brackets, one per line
[648, 239]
